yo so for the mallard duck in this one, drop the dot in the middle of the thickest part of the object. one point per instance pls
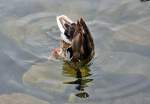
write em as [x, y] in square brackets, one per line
[76, 43]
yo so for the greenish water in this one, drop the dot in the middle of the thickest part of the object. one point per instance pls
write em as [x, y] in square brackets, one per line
[119, 73]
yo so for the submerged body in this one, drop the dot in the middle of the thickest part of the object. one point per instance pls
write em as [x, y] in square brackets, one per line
[76, 42]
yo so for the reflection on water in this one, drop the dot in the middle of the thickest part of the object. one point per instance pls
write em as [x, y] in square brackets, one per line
[120, 72]
[81, 74]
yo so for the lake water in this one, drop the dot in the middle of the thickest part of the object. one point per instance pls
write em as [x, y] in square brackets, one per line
[119, 73]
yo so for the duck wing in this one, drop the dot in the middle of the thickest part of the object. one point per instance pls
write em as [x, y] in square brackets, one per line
[82, 42]
[64, 23]
[88, 40]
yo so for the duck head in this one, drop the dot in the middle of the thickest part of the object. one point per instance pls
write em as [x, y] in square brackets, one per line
[76, 40]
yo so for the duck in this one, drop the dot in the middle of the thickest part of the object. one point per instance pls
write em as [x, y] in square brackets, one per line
[76, 41]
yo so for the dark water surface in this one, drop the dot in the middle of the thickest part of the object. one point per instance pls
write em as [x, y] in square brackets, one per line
[119, 73]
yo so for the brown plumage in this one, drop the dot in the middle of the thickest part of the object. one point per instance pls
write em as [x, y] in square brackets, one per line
[82, 42]
[76, 40]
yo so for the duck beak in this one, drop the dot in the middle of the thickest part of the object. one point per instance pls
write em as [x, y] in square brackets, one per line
[63, 23]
